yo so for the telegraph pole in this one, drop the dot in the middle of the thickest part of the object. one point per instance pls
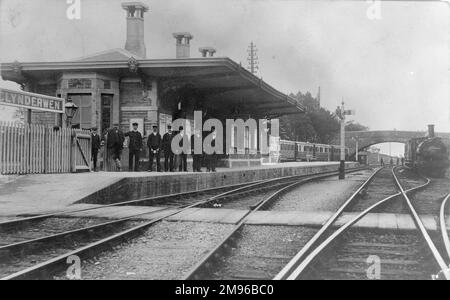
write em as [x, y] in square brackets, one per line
[252, 58]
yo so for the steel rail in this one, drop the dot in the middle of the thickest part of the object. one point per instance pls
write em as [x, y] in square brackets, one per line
[293, 263]
[193, 274]
[297, 273]
[131, 202]
[443, 226]
[40, 268]
[66, 212]
[161, 197]
[11, 247]
[437, 256]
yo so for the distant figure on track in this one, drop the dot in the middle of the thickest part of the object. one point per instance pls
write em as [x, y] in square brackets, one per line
[391, 162]
[382, 162]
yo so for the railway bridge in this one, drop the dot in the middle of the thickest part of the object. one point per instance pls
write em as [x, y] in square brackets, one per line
[366, 139]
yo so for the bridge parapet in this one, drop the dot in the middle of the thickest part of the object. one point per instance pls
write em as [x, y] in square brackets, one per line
[368, 138]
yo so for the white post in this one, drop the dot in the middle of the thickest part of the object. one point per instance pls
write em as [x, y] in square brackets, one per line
[342, 162]
[357, 150]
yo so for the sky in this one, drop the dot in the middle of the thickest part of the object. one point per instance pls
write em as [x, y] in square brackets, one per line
[393, 70]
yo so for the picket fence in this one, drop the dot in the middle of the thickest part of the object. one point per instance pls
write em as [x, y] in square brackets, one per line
[39, 149]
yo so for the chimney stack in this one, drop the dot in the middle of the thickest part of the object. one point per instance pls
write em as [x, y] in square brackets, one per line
[207, 51]
[135, 28]
[183, 44]
[431, 133]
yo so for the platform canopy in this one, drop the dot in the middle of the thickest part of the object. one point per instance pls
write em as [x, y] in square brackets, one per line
[222, 83]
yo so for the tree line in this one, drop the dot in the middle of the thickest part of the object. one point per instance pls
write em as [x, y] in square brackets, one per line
[316, 125]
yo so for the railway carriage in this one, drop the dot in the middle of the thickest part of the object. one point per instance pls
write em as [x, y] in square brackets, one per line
[287, 151]
[304, 151]
[322, 152]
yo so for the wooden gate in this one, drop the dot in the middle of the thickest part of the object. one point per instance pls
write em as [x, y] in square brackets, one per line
[36, 149]
[81, 151]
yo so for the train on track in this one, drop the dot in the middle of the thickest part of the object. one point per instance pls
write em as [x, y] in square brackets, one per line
[303, 151]
[428, 155]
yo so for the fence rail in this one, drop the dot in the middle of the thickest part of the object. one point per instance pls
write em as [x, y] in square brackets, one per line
[37, 149]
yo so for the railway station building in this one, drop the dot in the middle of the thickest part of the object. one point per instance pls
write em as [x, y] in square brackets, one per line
[122, 86]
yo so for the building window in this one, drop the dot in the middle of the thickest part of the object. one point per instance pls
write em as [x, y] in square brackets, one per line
[80, 83]
[83, 117]
[107, 84]
[164, 121]
[106, 111]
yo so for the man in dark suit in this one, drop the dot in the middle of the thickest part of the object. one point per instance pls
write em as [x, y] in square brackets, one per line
[115, 138]
[196, 157]
[212, 158]
[167, 148]
[154, 147]
[96, 145]
[135, 147]
[182, 156]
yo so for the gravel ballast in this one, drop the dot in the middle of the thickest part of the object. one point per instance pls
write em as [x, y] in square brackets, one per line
[262, 252]
[168, 250]
[326, 194]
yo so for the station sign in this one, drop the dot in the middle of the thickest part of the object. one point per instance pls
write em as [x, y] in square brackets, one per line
[32, 101]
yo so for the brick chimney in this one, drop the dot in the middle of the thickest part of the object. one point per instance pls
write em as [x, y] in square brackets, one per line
[207, 51]
[135, 27]
[183, 44]
[431, 133]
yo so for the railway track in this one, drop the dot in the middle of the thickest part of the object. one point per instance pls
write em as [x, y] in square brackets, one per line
[215, 264]
[347, 253]
[26, 254]
[443, 226]
[177, 199]
[170, 201]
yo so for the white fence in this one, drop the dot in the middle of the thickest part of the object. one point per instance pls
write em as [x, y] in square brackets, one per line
[37, 149]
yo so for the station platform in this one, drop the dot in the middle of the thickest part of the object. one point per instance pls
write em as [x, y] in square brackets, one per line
[48, 193]
[382, 221]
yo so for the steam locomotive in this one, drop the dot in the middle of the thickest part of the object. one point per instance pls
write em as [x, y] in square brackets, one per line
[428, 155]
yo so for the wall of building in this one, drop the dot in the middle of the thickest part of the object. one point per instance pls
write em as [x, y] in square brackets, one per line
[95, 85]
[138, 100]
[373, 158]
[44, 118]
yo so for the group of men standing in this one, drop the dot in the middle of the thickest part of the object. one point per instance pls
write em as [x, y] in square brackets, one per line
[155, 143]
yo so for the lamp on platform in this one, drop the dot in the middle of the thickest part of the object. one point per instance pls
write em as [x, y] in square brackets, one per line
[70, 109]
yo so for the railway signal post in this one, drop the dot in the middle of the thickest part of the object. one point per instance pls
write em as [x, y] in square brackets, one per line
[357, 149]
[341, 113]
